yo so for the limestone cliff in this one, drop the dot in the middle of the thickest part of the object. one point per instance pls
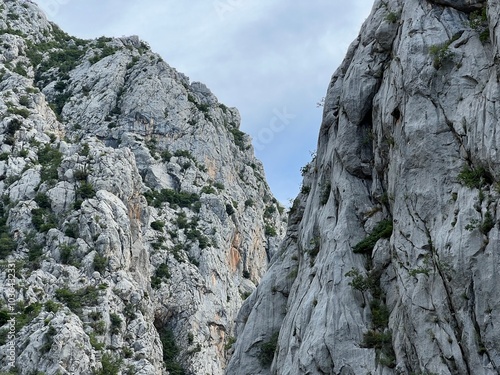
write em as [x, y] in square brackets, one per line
[391, 258]
[134, 215]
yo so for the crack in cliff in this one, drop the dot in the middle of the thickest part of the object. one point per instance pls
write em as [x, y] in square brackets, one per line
[462, 6]
[481, 346]
[456, 323]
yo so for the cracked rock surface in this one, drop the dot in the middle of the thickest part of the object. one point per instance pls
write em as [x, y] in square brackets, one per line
[133, 210]
[390, 262]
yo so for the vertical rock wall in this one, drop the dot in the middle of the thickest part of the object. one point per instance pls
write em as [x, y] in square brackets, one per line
[394, 240]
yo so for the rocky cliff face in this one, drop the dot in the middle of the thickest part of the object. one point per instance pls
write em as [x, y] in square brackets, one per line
[391, 258]
[134, 215]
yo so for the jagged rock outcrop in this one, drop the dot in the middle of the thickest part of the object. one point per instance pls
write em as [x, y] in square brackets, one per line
[392, 246]
[134, 214]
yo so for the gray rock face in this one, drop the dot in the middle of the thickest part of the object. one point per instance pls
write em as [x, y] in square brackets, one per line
[133, 210]
[395, 234]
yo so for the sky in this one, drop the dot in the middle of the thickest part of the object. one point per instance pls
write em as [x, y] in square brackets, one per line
[272, 60]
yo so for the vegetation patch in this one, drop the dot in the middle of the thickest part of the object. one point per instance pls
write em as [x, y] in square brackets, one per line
[325, 193]
[26, 314]
[478, 21]
[270, 230]
[158, 225]
[170, 352]
[174, 198]
[382, 342]
[381, 230]
[238, 137]
[50, 158]
[161, 273]
[100, 263]
[110, 365]
[77, 299]
[392, 17]
[267, 350]
[440, 54]
[7, 242]
[474, 177]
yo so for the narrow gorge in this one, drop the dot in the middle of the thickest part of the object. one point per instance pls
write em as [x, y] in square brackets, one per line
[138, 234]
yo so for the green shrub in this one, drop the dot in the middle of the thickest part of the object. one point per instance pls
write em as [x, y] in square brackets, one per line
[170, 352]
[110, 365]
[478, 21]
[474, 178]
[51, 306]
[487, 224]
[158, 225]
[380, 314]
[359, 282]
[75, 300]
[315, 248]
[440, 53]
[208, 190]
[325, 193]
[230, 342]
[13, 126]
[269, 212]
[19, 111]
[49, 339]
[185, 154]
[219, 185]
[182, 221]
[382, 342]
[166, 156]
[105, 50]
[249, 202]
[27, 314]
[50, 159]
[4, 316]
[100, 262]
[238, 137]
[4, 333]
[43, 201]
[7, 244]
[305, 189]
[270, 230]
[116, 322]
[35, 248]
[381, 230]
[229, 209]
[392, 17]
[196, 235]
[67, 253]
[174, 198]
[267, 350]
[85, 190]
[162, 272]
[43, 220]
[95, 342]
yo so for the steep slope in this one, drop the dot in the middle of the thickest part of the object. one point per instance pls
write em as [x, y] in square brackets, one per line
[135, 218]
[390, 263]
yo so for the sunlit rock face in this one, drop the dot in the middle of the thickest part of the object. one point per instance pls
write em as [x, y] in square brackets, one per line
[134, 212]
[391, 258]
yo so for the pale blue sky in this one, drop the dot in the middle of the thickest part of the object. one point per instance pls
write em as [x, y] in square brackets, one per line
[270, 59]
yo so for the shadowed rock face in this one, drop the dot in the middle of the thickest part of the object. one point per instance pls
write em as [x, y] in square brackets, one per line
[134, 211]
[391, 259]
